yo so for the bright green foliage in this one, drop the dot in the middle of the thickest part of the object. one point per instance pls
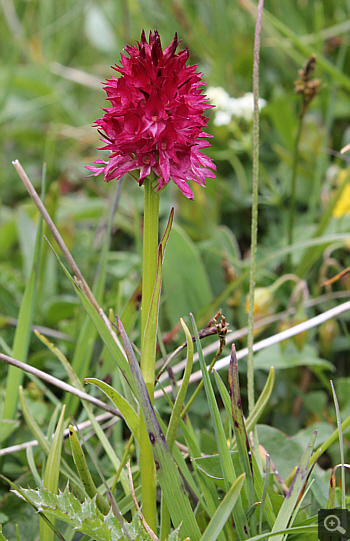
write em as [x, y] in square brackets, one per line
[168, 474]
[52, 472]
[85, 517]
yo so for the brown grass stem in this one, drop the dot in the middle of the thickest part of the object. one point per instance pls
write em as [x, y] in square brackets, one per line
[58, 383]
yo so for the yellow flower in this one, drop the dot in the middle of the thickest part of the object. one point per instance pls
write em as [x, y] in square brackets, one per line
[343, 205]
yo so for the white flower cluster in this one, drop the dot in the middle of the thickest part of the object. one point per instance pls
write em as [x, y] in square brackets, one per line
[227, 107]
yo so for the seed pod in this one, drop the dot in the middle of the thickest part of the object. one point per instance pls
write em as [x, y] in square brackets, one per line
[84, 474]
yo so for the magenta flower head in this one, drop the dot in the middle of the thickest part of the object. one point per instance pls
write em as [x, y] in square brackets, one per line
[155, 122]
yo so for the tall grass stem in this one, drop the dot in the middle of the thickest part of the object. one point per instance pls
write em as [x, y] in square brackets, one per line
[254, 223]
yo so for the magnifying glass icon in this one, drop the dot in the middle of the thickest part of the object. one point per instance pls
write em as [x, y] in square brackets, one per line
[332, 524]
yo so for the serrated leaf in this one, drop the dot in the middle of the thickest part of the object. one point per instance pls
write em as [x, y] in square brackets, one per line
[85, 517]
[52, 471]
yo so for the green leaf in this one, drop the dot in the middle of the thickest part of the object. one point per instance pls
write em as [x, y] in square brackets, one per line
[223, 512]
[2, 538]
[130, 416]
[23, 329]
[88, 333]
[85, 517]
[236, 413]
[97, 427]
[224, 454]
[176, 413]
[150, 334]
[261, 402]
[102, 329]
[19, 492]
[211, 467]
[168, 475]
[274, 356]
[84, 473]
[175, 419]
[43, 442]
[7, 426]
[52, 470]
[185, 282]
[292, 496]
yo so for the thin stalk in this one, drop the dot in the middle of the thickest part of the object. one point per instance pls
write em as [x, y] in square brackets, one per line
[148, 354]
[254, 225]
[294, 184]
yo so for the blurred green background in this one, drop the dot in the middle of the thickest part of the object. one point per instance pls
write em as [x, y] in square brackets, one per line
[53, 58]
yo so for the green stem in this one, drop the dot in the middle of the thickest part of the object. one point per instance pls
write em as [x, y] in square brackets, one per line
[149, 271]
[294, 184]
[254, 224]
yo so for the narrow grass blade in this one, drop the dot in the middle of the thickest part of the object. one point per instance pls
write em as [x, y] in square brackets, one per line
[174, 422]
[130, 416]
[225, 459]
[52, 470]
[168, 475]
[87, 336]
[180, 461]
[261, 403]
[2, 538]
[323, 448]
[24, 323]
[32, 424]
[286, 511]
[32, 465]
[206, 485]
[176, 413]
[223, 512]
[43, 442]
[150, 335]
[341, 447]
[335, 73]
[264, 492]
[84, 473]
[102, 329]
[97, 427]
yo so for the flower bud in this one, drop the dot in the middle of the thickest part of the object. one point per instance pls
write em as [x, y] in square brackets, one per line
[263, 300]
[327, 332]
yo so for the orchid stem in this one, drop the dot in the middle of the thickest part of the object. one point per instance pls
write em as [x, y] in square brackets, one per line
[149, 271]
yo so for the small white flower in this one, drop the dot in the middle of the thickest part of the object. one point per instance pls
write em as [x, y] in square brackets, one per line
[218, 96]
[222, 118]
[227, 107]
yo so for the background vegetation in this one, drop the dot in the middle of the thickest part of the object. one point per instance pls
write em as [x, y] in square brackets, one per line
[53, 57]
